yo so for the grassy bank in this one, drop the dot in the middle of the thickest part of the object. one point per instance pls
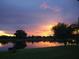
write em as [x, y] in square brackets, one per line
[43, 53]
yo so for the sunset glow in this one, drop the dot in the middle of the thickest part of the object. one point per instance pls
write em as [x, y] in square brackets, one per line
[36, 17]
[3, 33]
[47, 31]
[43, 30]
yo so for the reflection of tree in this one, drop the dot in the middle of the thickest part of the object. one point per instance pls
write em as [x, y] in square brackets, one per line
[19, 44]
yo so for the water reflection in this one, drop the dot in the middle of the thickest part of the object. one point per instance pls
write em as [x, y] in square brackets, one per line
[4, 47]
[42, 44]
[0, 44]
[39, 44]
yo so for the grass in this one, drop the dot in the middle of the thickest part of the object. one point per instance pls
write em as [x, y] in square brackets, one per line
[43, 53]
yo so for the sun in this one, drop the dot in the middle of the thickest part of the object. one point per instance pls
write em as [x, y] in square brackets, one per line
[3, 33]
[47, 31]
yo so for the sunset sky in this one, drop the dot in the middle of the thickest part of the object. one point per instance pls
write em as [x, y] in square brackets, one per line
[36, 17]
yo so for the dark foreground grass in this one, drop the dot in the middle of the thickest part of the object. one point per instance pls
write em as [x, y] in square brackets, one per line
[43, 53]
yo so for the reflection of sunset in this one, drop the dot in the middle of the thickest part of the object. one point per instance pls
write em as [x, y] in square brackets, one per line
[0, 44]
[3, 33]
[48, 44]
[43, 44]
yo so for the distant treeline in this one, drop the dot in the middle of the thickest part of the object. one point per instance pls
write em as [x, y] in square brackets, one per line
[27, 38]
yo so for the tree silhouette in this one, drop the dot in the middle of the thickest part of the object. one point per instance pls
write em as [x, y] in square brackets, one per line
[77, 0]
[65, 33]
[19, 44]
[62, 32]
[20, 34]
[75, 28]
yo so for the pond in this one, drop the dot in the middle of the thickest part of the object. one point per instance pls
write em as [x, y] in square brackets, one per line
[40, 44]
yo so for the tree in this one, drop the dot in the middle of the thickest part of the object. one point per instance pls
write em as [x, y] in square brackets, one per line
[60, 30]
[19, 44]
[20, 34]
[77, 0]
[75, 27]
[75, 31]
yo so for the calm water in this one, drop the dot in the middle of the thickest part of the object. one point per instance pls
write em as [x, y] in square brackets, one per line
[41, 44]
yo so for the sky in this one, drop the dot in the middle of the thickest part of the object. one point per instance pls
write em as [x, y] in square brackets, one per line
[36, 17]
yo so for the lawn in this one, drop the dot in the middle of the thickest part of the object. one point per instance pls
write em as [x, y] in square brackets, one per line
[43, 53]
